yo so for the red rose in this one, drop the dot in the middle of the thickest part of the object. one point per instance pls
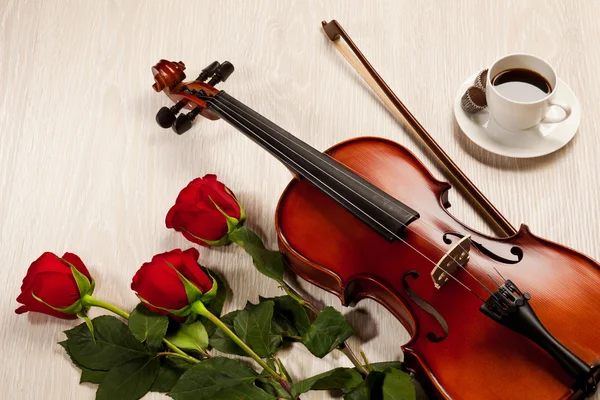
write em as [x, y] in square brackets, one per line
[171, 282]
[205, 212]
[55, 286]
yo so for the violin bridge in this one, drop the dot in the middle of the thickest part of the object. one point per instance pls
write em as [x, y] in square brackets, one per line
[455, 258]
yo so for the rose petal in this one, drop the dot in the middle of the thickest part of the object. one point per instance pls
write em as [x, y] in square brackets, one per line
[190, 193]
[160, 285]
[204, 225]
[54, 288]
[224, 200]
[169, 217]
[172, 257]
[45, 263]
[78, 264]
[186, 262]
[191, 270]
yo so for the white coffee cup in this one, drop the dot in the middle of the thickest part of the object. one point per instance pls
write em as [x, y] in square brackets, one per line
[516, 115]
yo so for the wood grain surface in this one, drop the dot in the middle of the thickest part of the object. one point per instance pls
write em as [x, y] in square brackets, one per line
[84, 167]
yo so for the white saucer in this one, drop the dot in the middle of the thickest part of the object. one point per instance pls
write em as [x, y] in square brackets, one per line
[535, 142]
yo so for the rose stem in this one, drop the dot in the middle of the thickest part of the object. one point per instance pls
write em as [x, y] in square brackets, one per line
[90, 301]
[200, 309]
[367, 363]
[346, 350]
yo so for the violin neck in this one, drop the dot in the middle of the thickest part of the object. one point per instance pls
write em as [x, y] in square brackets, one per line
[383, 213]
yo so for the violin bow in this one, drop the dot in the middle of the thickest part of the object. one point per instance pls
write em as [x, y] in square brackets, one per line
[334, 32]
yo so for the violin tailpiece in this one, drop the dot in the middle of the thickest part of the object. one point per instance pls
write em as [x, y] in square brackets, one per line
[510, 307]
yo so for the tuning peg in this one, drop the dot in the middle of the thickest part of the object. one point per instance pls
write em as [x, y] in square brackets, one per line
[222, 72]
[166, 116]
[183, 123]
[208, 71]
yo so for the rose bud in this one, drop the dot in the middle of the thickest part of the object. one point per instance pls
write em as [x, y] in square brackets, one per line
[55, 286]
[171, 282]
[205, 212]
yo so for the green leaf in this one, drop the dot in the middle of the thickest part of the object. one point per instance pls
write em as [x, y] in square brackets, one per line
[91, 376]
[253, 326]
[129, 381]
[147, 326]
[169, 373]
[281, 326]
[114, 344]
[390, 384]
[219, 378]
[370, 388]
[219, 339]
[191, 337]
[382, 366]
[327, 332]
[267, 262]
[339, 378]
[397, 385]
[87, 375]
[288, 312]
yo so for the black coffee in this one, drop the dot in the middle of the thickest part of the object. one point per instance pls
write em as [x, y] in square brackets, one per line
[521, 84]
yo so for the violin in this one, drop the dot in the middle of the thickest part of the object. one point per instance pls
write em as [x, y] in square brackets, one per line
[489, 318]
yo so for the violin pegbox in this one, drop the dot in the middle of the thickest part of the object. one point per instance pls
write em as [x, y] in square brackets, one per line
[193, 95]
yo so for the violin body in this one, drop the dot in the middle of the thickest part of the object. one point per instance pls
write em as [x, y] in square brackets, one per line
[478, 358]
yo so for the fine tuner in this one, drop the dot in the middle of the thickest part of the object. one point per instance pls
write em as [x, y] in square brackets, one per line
[167, 117]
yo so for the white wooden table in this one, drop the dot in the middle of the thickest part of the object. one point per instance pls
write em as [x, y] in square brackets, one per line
[84, 167]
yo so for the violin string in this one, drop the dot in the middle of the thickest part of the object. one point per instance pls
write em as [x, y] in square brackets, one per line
[493, 280]
[231, 108]
[498, 272]
[392, 233]
[226, 103]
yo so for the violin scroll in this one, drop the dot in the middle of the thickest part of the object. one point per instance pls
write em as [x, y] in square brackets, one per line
[169, 78]
[167, 74]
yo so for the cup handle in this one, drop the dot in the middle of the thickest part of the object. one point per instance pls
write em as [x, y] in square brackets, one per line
[554, 120]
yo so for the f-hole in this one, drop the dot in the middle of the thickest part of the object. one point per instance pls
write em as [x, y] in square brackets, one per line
[515, 251]
[425, 306]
